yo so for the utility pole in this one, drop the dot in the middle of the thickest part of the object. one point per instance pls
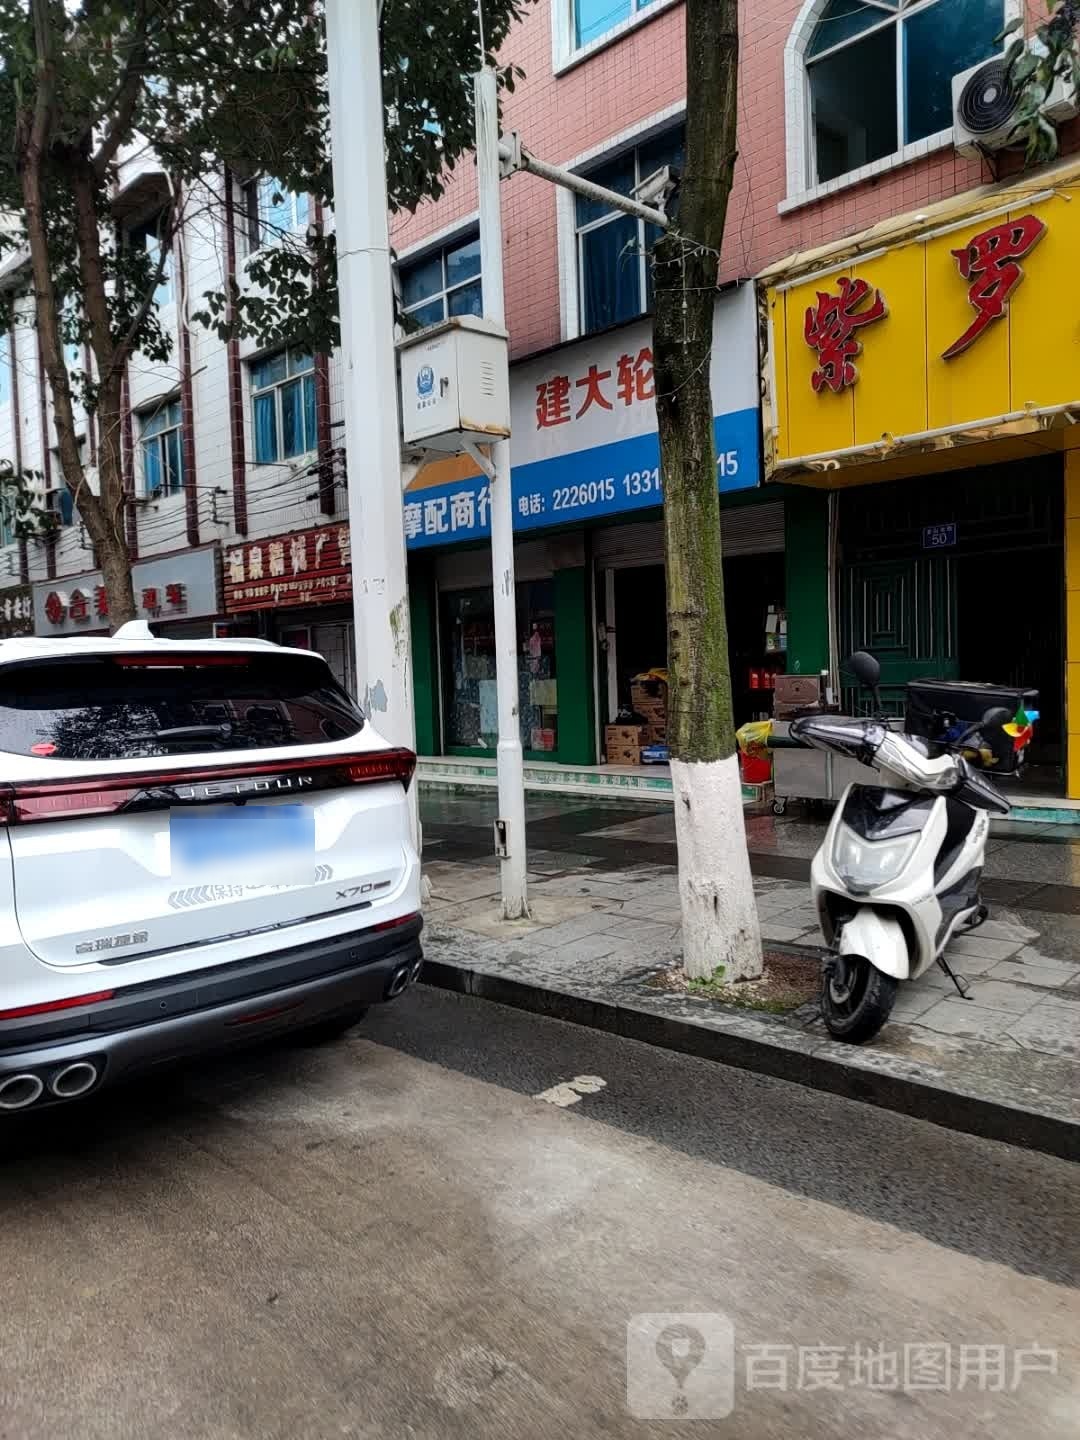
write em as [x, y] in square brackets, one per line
[369, 372]
[512, 851]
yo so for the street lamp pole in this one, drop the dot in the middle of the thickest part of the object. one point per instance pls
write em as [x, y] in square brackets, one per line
[369, 371]
[512, 850]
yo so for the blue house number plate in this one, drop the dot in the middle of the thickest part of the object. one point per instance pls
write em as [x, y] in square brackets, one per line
[939, 537]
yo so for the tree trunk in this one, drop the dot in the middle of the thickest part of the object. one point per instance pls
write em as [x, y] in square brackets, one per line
[103, 513]
[720, 925]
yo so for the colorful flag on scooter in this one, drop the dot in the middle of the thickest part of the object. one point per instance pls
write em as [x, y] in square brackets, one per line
[1021, 728]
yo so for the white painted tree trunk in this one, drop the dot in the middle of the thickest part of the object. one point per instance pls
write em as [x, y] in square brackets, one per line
[719, 915]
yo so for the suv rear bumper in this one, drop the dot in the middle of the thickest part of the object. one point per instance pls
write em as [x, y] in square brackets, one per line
[205, 1012]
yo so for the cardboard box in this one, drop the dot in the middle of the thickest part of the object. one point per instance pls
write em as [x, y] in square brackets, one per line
[654, 734]
[621, 735]
[624, 754]
[648, 693]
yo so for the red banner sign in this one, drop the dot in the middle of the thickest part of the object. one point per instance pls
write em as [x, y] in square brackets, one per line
[306, 567]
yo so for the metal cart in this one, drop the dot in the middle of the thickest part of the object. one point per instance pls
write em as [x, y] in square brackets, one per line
[817, 776]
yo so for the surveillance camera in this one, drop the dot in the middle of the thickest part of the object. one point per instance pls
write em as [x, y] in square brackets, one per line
[656, 189]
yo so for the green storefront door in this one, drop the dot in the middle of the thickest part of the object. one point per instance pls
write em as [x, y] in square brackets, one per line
[904, 613]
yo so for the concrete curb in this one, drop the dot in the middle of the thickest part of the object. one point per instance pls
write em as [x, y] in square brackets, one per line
[755, 1045]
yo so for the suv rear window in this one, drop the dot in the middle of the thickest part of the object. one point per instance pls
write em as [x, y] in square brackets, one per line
[126, 707]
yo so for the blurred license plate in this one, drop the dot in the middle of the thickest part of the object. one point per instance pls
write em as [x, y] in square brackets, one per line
[244, 844]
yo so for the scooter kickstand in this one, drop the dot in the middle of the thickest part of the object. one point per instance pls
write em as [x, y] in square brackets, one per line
[961, 984]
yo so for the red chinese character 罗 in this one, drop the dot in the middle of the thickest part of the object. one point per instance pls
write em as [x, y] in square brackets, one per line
[830, 328]
[989, 261]
[553, 402]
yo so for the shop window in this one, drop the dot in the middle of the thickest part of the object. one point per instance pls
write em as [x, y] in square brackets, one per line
[161, 449]
[273, 212]
[442, 283]
[614, 273]
[283, 406]
[878, 76]
[472, 711]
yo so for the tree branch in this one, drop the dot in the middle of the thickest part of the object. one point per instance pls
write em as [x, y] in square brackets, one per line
[127, 95]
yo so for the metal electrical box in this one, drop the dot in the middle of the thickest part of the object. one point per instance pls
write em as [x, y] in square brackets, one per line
[455, 384]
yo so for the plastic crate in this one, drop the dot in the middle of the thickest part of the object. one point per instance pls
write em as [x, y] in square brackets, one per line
[934, 707]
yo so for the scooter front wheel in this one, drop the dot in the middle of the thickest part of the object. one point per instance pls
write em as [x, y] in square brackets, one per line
[856, 998]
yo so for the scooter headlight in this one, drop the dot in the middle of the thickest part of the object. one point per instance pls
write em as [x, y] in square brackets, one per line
[863, 864]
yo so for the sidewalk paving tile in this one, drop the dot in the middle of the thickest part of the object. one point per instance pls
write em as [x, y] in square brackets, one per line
[997, 995]
[592, 922]
[1032, 974]
[953, 1016]
[1049, 1028]
[975, 944]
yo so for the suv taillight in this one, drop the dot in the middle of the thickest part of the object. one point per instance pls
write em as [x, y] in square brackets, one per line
[25, 802]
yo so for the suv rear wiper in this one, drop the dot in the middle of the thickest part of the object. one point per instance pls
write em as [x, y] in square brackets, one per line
[186, 732]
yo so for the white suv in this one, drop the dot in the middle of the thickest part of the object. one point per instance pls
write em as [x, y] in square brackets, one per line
[201, 843]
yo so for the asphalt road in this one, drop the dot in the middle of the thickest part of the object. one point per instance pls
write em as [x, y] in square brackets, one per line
[392, 1236]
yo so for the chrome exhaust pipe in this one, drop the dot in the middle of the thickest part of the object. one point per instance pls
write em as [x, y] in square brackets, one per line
[417, 967]
[73, 1080]
[399, 982]
[19, 1091]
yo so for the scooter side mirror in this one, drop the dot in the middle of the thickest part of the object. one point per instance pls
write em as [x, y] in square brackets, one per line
[865, 668]
[995, 716]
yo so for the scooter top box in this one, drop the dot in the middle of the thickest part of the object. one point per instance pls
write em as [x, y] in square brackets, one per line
[934, 707]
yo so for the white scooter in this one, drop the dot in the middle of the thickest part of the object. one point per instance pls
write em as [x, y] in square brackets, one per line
[899, 871]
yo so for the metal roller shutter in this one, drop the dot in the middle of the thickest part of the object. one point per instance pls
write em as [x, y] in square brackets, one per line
[746, 530]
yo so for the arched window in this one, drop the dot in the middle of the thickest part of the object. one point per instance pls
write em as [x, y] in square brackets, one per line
[876, 78]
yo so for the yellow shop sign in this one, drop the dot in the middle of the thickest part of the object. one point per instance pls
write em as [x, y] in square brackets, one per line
[952, 330]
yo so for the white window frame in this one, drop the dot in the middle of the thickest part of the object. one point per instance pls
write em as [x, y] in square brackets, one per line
[143, 417]
[303, 457]
[252, 217]
[566, 53]
[448, 238]
[566, 213]
[802, 188]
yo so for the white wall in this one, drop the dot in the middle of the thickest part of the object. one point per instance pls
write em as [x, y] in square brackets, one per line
[279, 497]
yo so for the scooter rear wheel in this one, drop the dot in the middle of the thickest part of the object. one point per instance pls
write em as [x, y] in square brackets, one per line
[856, 999]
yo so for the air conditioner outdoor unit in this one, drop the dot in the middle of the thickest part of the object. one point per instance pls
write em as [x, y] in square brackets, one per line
[985, 106]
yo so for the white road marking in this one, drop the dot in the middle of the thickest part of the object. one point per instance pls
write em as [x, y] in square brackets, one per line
[569, 1092]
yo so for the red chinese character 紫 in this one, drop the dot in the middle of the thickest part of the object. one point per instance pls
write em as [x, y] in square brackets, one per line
[553, 402]
[101, 602]
[55, 609]
[830, 328]
[989, 261]
[590, 383]
[635, 377]
[151, 600]
[176, 596]
[79, 606]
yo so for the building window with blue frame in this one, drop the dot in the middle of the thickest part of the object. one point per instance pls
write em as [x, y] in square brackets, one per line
[283, 406]
[162, 448]
[273, 212]
[8, 534]
[442, 283]
[593, 18]
[149, 237]
[879, 75]
[614, 270]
